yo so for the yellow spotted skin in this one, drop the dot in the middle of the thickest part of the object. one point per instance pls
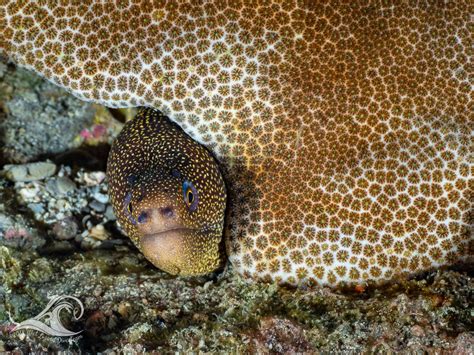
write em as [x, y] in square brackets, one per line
[345, 129]
[147, 166]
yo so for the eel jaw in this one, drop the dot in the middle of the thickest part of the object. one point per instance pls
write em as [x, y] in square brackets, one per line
[167, 249]
[183, 251]
[174, 247]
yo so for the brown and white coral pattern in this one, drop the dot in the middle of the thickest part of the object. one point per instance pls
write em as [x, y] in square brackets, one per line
[345, 128]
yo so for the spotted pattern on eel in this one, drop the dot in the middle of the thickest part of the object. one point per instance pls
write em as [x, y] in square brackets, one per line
[345, 130]
[168, 195]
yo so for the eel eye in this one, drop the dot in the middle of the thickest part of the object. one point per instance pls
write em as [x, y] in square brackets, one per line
[190, 195]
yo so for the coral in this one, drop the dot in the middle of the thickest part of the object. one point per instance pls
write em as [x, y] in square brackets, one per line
[344, 128]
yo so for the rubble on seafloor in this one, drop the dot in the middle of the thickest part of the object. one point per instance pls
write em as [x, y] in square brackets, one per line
[72, 206]
[58, 236]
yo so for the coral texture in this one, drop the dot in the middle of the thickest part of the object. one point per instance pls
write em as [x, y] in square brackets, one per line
[345, 130]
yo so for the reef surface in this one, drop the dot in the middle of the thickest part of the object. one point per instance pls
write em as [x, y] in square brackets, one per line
[58, 236]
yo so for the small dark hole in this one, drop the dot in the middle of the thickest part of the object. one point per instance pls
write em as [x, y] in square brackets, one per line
[167, 212]
[175, 173]
[132, 179]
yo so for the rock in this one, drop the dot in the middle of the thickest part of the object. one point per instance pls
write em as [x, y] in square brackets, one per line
[102, 198]
[40, 270]
[464, 344]
[99, 232]
[96, 324]
[89, 243]
[276, 335]
[124, 309]
[38, 118]
[37, 208]
[60, 185]
[417, 331]
[136, 332]
[61, 205]
[30, 193]
[29, 172]
[93, 178]
[65, 229]
[3, 69]
[98, 291]
[109, 213]
[97, 206]
[59, 247]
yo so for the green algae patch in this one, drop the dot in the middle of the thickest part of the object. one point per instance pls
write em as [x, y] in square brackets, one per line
[10, 269]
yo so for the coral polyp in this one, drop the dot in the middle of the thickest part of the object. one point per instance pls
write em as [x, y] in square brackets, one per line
[345, 130]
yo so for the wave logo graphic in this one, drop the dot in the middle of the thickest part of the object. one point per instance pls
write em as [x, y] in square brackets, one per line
[51, 314]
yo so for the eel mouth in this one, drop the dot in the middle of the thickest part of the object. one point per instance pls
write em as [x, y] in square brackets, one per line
[168, 249]
[177, 230]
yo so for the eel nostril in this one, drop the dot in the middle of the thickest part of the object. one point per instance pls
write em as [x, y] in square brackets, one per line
[167, 212]
[142, 218]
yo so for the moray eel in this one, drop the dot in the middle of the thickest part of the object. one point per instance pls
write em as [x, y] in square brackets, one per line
[168, 195]
[343, 129]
